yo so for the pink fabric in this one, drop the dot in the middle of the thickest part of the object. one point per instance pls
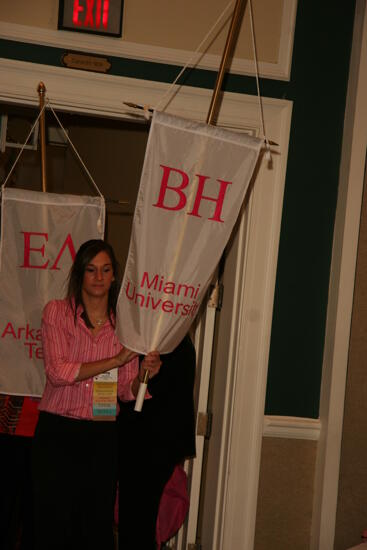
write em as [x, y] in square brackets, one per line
[28, 417]
[66, 345]
[173, 507]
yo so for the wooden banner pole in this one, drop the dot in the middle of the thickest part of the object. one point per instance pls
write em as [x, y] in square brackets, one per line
[213, 109]
[42, 92]
[228, 48]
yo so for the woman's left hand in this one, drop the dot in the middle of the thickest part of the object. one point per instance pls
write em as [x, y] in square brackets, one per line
[151, 363]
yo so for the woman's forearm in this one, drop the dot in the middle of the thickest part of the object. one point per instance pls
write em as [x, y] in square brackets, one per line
[88, 370]
[93, 368]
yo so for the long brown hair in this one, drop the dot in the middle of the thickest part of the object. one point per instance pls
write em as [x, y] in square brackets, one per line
[84, 256]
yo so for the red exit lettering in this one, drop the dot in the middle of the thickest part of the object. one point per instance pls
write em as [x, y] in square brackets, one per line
[181, 196]
[91, 13]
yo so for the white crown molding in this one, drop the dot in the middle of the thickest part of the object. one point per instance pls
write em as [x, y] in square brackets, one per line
[291, 427]
[119, 48]
[75, 90]
[104, 95]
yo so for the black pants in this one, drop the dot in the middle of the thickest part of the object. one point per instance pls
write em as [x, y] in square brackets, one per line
[140, 491]
[74, 483]
[16, 517]
[144, 469]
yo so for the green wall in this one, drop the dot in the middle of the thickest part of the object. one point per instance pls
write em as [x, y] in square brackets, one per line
[318, 88]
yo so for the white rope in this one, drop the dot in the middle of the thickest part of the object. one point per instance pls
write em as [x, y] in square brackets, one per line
[74, 149]
[261, 110]
[67, 137]
[194, 54]
[24, 144]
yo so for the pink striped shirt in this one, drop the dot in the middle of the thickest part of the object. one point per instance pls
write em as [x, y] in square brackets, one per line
[66, 345]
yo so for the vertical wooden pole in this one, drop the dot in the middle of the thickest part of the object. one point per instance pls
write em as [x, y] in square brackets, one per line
[42, 92]
[213, 109]
[231, 37]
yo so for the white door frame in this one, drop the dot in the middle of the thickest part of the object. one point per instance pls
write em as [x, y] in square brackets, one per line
[341, 291]
[104, 95]
[242, 433]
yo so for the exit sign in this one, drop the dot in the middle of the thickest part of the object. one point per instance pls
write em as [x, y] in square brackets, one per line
[91, 16]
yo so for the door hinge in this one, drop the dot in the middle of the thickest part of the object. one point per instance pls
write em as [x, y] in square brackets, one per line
[216, 296]
[204, 424]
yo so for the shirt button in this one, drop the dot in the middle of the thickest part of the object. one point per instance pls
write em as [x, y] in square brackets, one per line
[87, 385]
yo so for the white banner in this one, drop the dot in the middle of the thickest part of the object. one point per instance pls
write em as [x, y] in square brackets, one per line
[192, 187]
[40, 234]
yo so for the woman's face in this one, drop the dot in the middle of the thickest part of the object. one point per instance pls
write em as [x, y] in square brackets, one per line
[98, 276]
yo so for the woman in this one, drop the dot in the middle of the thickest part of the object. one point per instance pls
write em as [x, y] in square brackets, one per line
[74, 458]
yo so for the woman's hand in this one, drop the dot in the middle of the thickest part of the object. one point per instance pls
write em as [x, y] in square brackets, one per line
[151, 363]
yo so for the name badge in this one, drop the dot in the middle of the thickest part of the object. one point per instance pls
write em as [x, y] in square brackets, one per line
[105, 395]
